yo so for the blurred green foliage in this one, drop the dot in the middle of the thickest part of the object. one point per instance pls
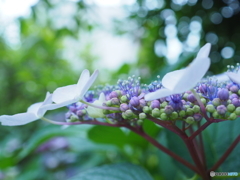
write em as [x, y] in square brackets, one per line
[37, 65]
[149, 20]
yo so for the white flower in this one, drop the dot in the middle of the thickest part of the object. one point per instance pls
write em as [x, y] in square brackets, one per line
[179, 81]
[96, 112]
[70, 94]
[33, 113]
[234, 77]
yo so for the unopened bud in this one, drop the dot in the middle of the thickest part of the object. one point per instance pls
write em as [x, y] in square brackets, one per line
[190, 120]
[142, 116]
[156, 113]
[210, 108]
[124, 107]
[232, 116]
[216, 101]
[168, 109]
[230, 107]
[223, 94]
[123, 99]
[221, 109]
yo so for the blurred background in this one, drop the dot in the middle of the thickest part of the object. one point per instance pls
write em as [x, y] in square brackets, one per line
[45, 44]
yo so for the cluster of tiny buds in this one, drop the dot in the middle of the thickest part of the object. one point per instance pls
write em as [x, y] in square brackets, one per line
[221, 101]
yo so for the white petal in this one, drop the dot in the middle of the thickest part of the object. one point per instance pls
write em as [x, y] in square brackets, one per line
[87, 85]
[63, 94]
[170, 80]
[159, 94]
[18, 119]
[47, 107]
[34, 108]
[102, 98]
[221, 77]
[234, 77]
[48, 100]
[95, 112]
[84, 77]
[192, 74]
[204, 51]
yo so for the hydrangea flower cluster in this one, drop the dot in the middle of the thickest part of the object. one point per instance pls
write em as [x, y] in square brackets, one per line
[176, 103]
[130, 102]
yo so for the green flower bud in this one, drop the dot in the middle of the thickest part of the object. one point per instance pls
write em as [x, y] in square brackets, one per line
[230, 107]
[142, 116]
[156, 113]
[210, 108]
[216, 101]
[124, 99]
[109, 103]
[189, 111]
[185, 96]
[204, 101]
[196, 109]
[190, 120]
[182, 113]
[146, 109]
[163, 104]
[73, 118]
[238, 92]
[229, 101]
[174, 115]
[215, 114]
[118, 92]
[162, 111]
[237, 111]
[232, 116]
[164, 116]
[140, 122]
[129, 114]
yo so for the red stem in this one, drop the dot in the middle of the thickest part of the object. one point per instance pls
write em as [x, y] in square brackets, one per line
[200, 129]
[162, 148]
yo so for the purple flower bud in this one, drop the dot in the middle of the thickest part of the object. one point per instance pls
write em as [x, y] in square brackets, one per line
[113, 94]
[236, 102]
[233, 96]
[155, 104]
[221, 109]
[203, 88]
[134, 101]
[191, 98]
[143, 102]
[223, 94]
[81, 112]
[72, 108]
[115, 101]
[197, 117]
[68, 115]
[168, 109]
[234, 88]
[124, 107]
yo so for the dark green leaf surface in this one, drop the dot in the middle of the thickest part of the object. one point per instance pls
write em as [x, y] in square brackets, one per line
[115, 172]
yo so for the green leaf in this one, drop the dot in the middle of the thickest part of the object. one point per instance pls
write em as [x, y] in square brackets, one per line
[48, 132]
[123, 171]
[150, 128]
[107, 135]
[217, 138]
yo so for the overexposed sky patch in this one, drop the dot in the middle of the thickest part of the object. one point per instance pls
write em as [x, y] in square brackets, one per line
[15, 8]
